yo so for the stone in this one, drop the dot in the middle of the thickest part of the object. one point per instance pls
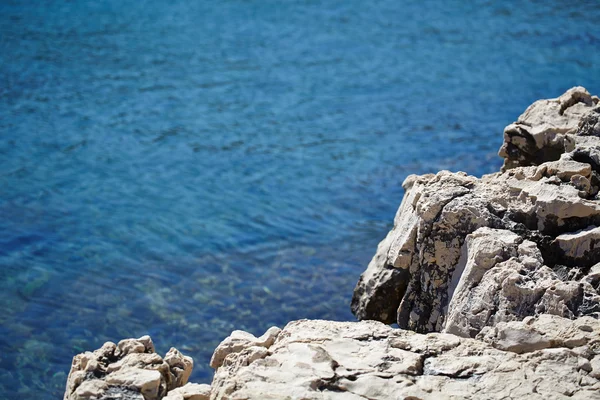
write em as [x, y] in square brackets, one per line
[180, 367]
[467, 252]
[540, 133]
[580, 245]
[589, 125]
[544, 331]
[240, 340]
[190, 391]
[145, 381]
[128, 370]
[312, 359]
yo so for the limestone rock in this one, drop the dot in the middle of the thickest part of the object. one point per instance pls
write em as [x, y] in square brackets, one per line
[190, 391]
[545, 331]
[465, 253]
[542, 132]
[358, 360]
[129, 370]
[240, 340]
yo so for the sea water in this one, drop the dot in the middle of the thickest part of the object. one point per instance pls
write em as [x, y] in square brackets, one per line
[186, 168]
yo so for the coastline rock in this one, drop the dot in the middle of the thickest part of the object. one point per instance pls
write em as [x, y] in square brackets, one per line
[546, 129]
[240, 340]
[128, 370]
[466, 253]
[495, 283]
[190, 391]
[542, 358]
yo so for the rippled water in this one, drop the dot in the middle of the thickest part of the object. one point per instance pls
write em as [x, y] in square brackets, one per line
[186, 168]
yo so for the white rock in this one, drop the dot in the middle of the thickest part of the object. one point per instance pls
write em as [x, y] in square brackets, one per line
[145, 381]
[428, 276]
[129, 370]
[240, 340]
[578, 244]
[190, 391]
[357, 360]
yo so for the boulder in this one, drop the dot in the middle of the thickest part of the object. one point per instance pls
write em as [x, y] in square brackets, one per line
[128, 370]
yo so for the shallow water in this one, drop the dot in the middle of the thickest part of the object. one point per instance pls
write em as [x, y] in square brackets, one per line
[186, 168]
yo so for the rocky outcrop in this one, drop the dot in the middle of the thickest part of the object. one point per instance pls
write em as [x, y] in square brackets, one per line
[549, 128]
[495, 282]
[543, 358]
[548, 357]
[466, 253]
[129, 370]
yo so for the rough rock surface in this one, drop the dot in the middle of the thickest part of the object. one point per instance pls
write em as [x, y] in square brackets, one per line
[549, 128]
[548, 357]
[466, 253]
[190, 391]
[130, 370]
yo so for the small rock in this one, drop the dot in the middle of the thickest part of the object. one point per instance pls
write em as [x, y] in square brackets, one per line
[129, 370]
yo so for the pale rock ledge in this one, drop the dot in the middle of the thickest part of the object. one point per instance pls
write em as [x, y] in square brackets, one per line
[542, 358]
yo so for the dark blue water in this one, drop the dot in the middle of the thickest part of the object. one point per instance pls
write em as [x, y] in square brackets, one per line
[186, 168]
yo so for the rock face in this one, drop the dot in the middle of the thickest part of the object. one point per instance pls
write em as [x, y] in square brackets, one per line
[548, 357]
[130, 370]
[466, 253]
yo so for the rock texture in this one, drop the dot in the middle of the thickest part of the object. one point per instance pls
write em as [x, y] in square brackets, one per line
[190, 391]
[466, 253]
[548, 357]
[130, 370]
[546, 129]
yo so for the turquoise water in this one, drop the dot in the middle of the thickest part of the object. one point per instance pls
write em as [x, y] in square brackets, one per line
[186, 168]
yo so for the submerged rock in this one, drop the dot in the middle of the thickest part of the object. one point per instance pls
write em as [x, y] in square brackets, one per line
[128, 370]
[466, 253]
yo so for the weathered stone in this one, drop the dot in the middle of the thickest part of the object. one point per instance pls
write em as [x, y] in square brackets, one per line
[580, 245]
[358, 360]
[433, 277]
[180, 367]
[145, 381]
[589, 125]
[130, 370]
[240, 340]
[540, 133]
[190, 391]
[544, 331]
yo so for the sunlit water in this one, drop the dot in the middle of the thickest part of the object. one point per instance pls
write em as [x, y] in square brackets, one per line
[186, 168]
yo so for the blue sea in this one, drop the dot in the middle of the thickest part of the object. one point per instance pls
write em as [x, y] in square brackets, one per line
[185, 168]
